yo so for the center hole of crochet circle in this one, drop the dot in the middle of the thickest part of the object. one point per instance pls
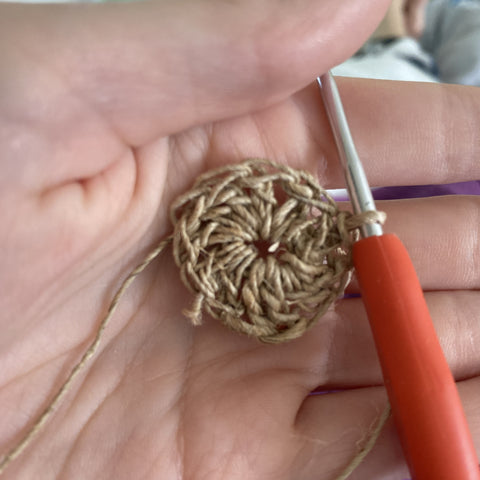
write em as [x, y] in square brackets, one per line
[264, 248]
[267, 248]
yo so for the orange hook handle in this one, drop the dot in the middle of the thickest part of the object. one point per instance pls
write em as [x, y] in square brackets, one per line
[422, 391]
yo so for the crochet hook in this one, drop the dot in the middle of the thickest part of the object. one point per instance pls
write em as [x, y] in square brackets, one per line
[425, 402]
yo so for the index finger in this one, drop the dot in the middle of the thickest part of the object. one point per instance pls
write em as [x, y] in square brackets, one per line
[412, 133]
[405, 133]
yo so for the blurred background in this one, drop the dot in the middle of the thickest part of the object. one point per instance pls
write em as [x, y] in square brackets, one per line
[421, 40]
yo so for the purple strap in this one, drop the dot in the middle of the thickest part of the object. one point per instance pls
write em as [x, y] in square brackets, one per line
[418, 191]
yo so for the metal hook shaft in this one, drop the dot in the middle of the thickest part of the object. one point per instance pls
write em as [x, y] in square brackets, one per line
[357, 184]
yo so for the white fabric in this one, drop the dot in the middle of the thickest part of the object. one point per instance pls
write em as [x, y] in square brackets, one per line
[452, 37]
[399, 60]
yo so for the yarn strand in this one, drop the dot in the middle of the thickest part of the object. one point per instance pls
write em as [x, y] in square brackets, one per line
[40, 423]
[369, 444]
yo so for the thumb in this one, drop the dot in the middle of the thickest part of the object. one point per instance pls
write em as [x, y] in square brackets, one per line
[154, 68]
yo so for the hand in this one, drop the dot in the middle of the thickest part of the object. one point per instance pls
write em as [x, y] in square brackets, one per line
[107, 113]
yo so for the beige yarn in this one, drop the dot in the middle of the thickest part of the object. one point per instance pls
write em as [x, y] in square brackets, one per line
[266, 251]
[264, 248]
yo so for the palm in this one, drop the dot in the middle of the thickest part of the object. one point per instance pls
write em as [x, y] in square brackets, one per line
[160, 387]
[163, 399]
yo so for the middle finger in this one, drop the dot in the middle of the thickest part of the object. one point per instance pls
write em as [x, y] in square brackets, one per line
[442, 236]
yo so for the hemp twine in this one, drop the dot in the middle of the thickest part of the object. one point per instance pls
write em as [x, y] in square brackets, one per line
[264, 247]
[265, 250]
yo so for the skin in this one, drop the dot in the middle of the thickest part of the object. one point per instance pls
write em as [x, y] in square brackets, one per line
[414, 11]
[109, 112]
